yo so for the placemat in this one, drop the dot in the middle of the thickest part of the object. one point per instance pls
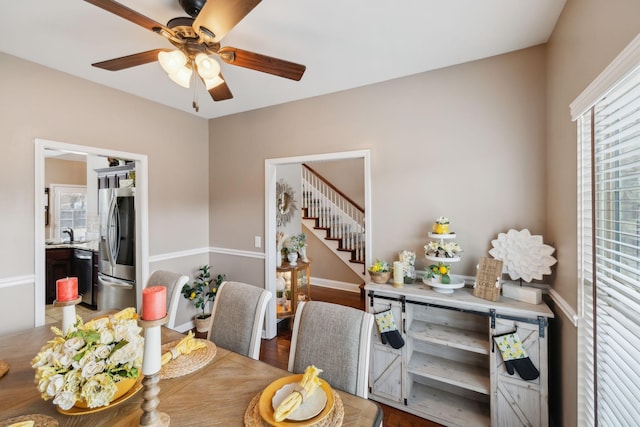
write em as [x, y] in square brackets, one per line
[38, 419]
[252, 416]
[187, 363]
[4, 368]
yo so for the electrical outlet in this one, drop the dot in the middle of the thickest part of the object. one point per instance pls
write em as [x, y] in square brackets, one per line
[257, 241]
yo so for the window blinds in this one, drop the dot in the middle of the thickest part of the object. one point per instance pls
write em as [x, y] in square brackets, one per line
[609, 256]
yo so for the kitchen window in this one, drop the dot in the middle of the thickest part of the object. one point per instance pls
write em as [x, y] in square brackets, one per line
[68, 210]
[608, 117]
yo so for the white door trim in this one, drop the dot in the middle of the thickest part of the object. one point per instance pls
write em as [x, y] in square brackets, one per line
[270, 217]
[141, 206]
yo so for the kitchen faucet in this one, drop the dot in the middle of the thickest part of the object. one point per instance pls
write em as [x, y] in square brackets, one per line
[69, 231]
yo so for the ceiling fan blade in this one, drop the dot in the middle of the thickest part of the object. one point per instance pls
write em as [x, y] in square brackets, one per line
[258, 62]
[218, 17]
[220, 92]
[129, 61]
[129, 14]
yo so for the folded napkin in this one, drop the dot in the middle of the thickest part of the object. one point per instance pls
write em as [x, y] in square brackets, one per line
[185, 346]
[305, 388]
[29, 423]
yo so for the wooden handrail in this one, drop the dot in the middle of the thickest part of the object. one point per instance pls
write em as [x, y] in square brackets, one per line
[333, 187]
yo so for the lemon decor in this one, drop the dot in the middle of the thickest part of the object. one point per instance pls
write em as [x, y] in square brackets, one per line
[441, 226]
[441, 269]
[380, 271]
[84, 366]
[307, 386]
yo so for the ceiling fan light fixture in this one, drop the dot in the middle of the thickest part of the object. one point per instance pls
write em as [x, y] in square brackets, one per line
[182, 76]
[208, 68]
[213, 82]
[173, 61]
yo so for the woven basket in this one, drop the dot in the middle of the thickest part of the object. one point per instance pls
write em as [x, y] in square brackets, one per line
[380, 277]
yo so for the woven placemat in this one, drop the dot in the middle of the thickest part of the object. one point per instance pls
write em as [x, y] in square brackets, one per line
[187, 363]
[38, 420]
[4, 368]
[252, 416]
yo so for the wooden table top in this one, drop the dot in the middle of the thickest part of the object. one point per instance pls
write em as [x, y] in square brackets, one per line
[216, 395]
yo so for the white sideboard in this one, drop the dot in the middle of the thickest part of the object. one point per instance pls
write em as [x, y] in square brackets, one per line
[449, 371]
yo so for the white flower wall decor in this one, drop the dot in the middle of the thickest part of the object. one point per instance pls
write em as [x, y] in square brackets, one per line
[523, 256]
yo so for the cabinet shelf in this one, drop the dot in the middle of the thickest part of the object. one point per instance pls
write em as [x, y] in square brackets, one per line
[446, 406]
[461, 375]
[463, 339]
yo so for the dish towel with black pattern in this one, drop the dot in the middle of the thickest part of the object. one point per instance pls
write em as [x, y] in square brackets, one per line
[388, 330]
[515, 356]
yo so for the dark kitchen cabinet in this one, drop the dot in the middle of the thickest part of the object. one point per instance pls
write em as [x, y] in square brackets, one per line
[58, 263]
[82, 267]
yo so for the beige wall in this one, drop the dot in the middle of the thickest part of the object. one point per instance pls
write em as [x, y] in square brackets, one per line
[467, 142]
[64, 172]
[588, 36]
[38, 102]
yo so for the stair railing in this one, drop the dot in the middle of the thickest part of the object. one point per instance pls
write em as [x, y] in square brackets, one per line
[335, 211]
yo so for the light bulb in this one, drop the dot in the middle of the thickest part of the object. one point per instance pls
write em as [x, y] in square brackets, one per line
[207, 68]
[172, 61]
[182, 76]
[211, 83]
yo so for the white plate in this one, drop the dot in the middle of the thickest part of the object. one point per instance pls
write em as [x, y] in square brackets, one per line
[307, 409]
[442, 259]
[456, 283]
[442, 236]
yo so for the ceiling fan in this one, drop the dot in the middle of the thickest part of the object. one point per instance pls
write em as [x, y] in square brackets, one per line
[196, 38]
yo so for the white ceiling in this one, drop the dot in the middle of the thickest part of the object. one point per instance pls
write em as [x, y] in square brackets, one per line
[344, 43]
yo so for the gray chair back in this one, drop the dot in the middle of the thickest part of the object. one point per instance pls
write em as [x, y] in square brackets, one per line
[336, 339]
[238, 316]
[174, 283]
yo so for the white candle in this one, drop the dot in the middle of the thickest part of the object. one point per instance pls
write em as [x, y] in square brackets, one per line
[68, 317]
[398, 273]
[152, 357]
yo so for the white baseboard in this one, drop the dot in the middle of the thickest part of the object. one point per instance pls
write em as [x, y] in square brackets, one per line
[17, 281]
[334, 284]
[185, 327]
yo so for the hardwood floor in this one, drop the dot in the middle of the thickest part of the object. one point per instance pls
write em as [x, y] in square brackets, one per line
[276, 352]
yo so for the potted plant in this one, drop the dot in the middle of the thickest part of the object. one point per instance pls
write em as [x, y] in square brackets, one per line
[292, 245]
[439, 273]
[380, 271]
[201, 292]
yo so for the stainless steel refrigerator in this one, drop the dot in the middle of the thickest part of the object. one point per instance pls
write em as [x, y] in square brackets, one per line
[117, 249]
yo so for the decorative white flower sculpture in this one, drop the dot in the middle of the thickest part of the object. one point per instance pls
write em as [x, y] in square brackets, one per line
[523, 256]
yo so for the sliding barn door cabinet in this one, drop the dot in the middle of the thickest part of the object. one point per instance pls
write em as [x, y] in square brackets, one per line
[449, 370]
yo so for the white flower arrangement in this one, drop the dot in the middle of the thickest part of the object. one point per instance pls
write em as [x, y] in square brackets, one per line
[408, 260]
[442, 220]
[442, 249]
[87, 362]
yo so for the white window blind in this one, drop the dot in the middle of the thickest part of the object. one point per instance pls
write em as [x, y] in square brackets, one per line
[609, 257]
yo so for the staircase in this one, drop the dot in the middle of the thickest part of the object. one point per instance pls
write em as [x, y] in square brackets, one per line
[332, 217]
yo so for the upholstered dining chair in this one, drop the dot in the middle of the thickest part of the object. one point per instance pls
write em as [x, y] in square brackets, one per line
[336, 339]
[238, 316]
[174, 283]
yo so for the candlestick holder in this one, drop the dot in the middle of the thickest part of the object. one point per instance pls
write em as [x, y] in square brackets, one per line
[151, 364]
[68, 312]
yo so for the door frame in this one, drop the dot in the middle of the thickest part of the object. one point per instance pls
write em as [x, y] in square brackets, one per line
[271, 166]
[141, 206]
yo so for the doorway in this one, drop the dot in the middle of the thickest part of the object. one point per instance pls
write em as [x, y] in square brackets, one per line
[271, 166]
[141, 206]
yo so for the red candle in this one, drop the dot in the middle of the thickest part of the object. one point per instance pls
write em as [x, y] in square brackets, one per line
[154, 302]
[67, 289]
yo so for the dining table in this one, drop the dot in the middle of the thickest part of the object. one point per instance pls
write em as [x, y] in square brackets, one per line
[217, 394]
